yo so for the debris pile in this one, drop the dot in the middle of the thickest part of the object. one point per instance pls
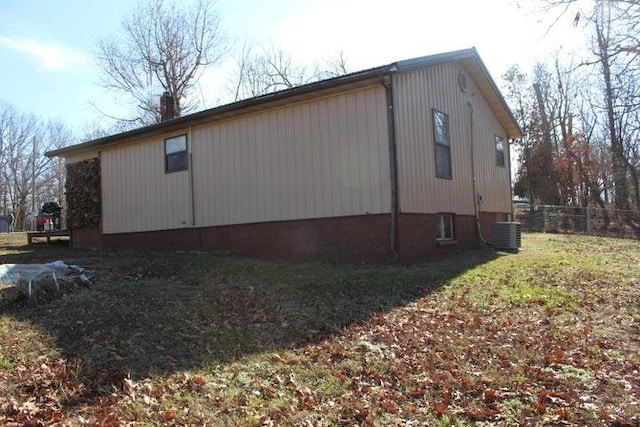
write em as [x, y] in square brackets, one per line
[41, 282]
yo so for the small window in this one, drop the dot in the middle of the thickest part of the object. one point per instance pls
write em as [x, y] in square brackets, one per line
[444, 227]
[442, 144]
[500, 145]
[175, 154]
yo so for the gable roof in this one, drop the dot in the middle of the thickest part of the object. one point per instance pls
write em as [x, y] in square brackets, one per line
[469, 57]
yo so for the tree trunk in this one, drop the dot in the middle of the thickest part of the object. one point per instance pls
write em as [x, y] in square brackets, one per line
[547, 187]
[635, 178]
[619, 164]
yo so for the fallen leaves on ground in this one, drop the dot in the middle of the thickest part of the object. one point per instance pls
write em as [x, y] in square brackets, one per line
[530, 339]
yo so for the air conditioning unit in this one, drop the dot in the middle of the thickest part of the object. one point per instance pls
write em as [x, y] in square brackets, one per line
[506, 235]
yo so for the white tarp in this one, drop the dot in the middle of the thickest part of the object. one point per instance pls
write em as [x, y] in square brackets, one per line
[30, 278]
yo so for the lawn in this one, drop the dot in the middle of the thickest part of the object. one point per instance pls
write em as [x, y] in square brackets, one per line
[549, 336]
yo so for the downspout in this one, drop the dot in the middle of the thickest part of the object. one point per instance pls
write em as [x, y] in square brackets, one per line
[476, 208]
[513, 214]
[101, 220]
[386, 81]
[191, 180]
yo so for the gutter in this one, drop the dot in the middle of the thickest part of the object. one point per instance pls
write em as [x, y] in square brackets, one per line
[387, 82]
[469, 57]
[224, 111]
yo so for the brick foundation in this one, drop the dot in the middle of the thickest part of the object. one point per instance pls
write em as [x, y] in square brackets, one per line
[88, 238]
[417, 237]
[352, 239]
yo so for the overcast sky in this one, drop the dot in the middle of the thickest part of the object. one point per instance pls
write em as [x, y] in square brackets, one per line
[46, 46]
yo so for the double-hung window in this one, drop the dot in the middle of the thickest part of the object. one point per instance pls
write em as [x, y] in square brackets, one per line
[442, 144]
[500, 148]
[175, 154]
[444, 227]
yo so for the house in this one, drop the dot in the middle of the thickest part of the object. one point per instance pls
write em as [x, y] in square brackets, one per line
[407, 161]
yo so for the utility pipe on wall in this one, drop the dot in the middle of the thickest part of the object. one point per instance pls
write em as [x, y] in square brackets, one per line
[386, 81]
[191, 180]
[476, 208]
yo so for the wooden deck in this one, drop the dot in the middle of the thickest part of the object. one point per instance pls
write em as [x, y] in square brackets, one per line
[47, 235]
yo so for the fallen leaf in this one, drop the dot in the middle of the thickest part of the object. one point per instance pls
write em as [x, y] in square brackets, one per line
[489, 394]
[389, 406]
[128, 386]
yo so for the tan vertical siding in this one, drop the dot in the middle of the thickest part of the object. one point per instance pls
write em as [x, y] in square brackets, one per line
[492, 181]
[416, 93]
[322, 158]
[137, 195]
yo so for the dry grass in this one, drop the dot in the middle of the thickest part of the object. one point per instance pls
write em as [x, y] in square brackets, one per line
[548, 336]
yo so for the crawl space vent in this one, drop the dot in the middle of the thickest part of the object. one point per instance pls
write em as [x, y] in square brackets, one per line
[462, 81]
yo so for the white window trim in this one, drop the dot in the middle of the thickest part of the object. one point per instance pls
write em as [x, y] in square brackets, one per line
[500, 140]
[167, 154]
[443, 143]
[440, 226]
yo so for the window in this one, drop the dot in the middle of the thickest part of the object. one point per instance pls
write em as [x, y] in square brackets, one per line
[175, 154]
[500, 151]
[442, 143]
[444, 227]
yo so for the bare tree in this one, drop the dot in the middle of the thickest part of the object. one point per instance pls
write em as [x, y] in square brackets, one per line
[517, 94]
[531, 97]
[96, 130]
[49, 185]
[604, 51]
[546, 144]
[28, 177]
[17, 140]
[246, 80]
[335, 66]
[615, 46]
[163, 47]
[561, 152]
[268, 69]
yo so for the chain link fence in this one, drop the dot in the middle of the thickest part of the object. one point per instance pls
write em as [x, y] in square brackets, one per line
[580, 220]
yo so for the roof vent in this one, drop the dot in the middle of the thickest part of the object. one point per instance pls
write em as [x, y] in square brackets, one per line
[462, 81]
[506, 235]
